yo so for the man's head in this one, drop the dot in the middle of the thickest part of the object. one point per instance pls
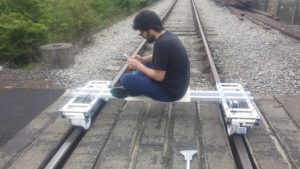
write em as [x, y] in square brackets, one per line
[148, 23]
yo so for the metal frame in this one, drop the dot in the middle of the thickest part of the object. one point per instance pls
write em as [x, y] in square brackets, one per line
[82, 106]
[239, 112]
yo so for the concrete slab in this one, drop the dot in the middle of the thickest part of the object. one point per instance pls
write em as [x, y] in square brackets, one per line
[184, 137]
[262, 144]
[291, 104]
[117, 150]
[283, 134]
[214, 148]
[93, 142]
[41, 149]
[19, 106]
[150, 152]
[26, 136]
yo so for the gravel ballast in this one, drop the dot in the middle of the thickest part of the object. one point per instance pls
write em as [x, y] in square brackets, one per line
[265, 61]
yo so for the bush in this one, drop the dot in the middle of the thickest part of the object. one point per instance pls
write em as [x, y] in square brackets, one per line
[20, 38]
[27, 24]
[68, 20]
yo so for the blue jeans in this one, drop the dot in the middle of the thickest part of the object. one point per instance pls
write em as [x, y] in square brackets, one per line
[139, 83]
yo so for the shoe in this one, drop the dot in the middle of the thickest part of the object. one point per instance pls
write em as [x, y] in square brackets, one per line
[119, 92]
[133, 94]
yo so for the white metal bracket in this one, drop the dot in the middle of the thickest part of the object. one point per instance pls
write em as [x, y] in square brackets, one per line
[82, 106]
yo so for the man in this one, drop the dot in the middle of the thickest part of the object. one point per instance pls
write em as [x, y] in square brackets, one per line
[163, 76]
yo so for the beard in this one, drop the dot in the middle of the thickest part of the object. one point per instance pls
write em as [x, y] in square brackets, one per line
[150, 39]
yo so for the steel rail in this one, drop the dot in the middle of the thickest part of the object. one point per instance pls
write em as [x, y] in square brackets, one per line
[241, 155]
[57, 160]
[138, 49]
[261, 22]
[209, 55]
[284, 31]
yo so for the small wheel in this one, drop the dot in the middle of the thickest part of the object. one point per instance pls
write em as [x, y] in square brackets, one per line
[229, 130]
[87, 123]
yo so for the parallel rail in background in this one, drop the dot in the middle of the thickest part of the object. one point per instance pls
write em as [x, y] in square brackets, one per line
[266, 25]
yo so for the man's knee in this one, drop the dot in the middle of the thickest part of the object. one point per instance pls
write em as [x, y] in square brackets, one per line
[127, 79]
[124, 79]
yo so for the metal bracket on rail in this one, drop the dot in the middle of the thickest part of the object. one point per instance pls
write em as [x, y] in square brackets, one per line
[239, 112]
[83, 105]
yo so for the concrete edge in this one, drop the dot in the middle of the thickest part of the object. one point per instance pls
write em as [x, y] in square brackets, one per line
[10, 151]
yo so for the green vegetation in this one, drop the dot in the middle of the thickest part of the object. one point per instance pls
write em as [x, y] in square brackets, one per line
[27, 24]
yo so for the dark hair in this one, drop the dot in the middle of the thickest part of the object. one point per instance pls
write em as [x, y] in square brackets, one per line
[146, 20]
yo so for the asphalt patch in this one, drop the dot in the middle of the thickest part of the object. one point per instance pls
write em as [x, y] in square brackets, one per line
[19, 106]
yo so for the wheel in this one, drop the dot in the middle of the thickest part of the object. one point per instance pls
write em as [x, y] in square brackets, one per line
[229, 130]
[87, 123]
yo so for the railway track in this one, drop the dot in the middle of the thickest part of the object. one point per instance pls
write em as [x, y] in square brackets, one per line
[140, 135]
[266, 23]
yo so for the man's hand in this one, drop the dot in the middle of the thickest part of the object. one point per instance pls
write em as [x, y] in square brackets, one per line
[139, 58]
[133, 63]
[142, 59]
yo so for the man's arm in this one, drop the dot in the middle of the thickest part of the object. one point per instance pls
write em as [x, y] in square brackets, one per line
[157, 75]
[144, 59]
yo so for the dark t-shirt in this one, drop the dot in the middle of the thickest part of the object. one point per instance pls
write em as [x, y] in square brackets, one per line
[170, 55]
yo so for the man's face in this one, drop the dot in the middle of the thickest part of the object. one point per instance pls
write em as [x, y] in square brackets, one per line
[147, 35]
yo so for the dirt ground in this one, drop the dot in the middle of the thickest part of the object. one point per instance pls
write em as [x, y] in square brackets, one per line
[38, 77]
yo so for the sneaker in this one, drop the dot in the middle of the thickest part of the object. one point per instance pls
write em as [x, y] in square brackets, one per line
[119, 92]
[133, 94]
